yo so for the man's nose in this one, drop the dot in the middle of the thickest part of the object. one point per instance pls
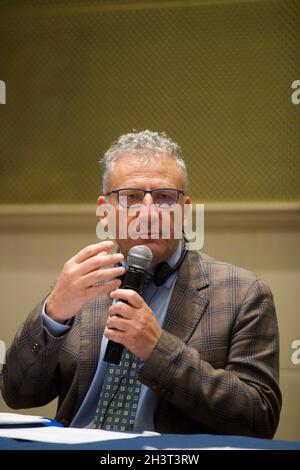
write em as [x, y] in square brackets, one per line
[148, 200]
[148, 208]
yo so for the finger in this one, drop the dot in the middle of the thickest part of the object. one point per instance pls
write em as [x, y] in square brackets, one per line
[99, 261]
[114, 335]
[132, 297]
[92, 250]
[102, 275]
[117, 323]
[122, 310]
[93, 292]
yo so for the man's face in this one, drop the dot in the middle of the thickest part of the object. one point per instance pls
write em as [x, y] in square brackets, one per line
[130, 172]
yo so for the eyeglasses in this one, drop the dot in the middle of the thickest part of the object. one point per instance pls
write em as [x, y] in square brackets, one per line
[130, 197]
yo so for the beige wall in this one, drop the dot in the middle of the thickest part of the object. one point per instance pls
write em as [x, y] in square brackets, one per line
[35, 242]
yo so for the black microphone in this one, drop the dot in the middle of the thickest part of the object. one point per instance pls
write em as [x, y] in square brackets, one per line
[139, 260]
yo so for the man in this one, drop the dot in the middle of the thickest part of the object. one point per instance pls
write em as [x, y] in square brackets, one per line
[203, 345]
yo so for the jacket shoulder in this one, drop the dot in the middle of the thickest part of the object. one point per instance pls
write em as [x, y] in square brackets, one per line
[217, 268]
[223, 274]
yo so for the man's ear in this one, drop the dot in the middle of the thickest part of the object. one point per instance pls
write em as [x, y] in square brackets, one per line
[102, 212]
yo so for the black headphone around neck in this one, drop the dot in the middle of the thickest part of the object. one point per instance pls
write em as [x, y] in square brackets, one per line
[163, 270]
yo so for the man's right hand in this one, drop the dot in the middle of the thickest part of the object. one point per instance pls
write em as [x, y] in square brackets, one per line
[76, 284]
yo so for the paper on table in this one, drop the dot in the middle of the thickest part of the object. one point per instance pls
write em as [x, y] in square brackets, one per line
[68, 435]
[16, 418]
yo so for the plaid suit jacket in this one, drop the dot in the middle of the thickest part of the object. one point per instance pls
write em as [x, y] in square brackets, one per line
[215, 366]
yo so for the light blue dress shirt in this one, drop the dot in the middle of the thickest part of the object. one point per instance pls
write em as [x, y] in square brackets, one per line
[158, 299]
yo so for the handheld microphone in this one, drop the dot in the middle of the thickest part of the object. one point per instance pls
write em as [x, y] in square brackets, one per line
[139, 260]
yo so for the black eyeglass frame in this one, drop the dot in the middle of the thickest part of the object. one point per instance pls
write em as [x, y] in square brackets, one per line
[145, 191]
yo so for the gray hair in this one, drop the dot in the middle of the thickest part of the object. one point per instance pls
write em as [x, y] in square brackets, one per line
[143, 145]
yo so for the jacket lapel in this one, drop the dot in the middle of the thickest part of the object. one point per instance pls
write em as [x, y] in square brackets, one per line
[92, 323]
[189, 300]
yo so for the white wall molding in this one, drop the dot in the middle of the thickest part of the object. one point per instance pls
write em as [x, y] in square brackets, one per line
[221, 216]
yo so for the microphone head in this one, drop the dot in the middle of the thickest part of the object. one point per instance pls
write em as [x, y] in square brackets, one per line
[140, 256]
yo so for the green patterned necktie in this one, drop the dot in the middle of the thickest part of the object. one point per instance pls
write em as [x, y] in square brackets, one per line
[117, 406]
